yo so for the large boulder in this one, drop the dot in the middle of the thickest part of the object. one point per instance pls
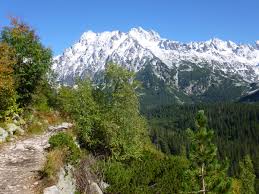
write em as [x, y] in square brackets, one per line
[104, 185]
[66, 183]
[3, 135]
[60, 127]
[18, 120]
[51, 190]
[12, 128]
[95, 189]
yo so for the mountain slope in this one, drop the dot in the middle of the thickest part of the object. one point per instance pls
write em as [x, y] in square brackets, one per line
[213, 70]
[252, 95]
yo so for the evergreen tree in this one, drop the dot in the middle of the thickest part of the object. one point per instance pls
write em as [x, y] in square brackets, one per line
[33, 60]
[247, 176]
[235, 125]
[207, 174]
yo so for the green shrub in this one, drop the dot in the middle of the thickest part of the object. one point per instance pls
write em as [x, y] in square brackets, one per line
[107, 116]
[64, 140]
[149, 175]
[41, 103]
[45, 97]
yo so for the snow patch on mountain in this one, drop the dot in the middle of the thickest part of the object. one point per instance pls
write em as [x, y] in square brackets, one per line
[138, 47]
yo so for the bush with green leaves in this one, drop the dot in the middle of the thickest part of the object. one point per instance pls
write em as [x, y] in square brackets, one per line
[63, 140]
[151, 174]
[32, 59]
[45, 98]
[80, 104]
[107, 117]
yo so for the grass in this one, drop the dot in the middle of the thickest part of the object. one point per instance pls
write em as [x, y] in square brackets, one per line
[55, 161]
[35, 128]
[63, 150]
[50, 117]
[38, 121]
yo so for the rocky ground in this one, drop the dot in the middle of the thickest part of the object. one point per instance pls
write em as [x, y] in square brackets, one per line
[21, 161]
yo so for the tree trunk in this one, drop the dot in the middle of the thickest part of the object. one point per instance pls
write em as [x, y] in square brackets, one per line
[203, 180]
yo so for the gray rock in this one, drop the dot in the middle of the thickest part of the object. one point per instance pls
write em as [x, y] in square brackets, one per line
[51, 190]
[18, 120]
[51, 128]
[65, 185]
[104, 185]
[95, 189]
[11, 128]
[60, 127]
[19, 147]
[3, 135]
[16, 117]
[66, 125]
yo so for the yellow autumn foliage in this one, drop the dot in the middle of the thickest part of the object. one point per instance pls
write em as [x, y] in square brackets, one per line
[7, 90]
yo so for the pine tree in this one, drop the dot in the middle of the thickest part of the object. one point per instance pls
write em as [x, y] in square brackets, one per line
[207, 174]
[247, 176]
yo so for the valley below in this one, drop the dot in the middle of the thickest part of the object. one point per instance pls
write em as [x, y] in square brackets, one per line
[149, 114]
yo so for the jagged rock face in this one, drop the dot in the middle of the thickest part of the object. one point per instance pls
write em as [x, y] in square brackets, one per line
[183, 69]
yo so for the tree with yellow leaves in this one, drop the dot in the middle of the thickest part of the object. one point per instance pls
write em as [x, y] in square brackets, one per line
[33, 60]
[7, 89]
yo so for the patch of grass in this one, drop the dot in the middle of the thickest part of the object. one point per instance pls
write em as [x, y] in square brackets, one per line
[8, 139]
[2, 125]
[55, 161]
[38, 121]
[35, 128]
[51, 117]
[63, 150]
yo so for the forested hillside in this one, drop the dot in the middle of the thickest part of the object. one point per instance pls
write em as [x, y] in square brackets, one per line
[236, 127]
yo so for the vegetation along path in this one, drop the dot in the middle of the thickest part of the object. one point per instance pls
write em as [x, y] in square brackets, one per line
[21, 161]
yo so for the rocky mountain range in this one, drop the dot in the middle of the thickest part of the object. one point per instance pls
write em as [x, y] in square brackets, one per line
[171, 71]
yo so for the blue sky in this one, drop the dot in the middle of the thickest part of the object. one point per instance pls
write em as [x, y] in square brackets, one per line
[60, 23]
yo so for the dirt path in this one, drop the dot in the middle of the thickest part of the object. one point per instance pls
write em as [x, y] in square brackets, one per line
[20, 163]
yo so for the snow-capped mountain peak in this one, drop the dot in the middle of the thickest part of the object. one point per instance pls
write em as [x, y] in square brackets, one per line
[89, 36]
[138, 47]
[140, 34]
